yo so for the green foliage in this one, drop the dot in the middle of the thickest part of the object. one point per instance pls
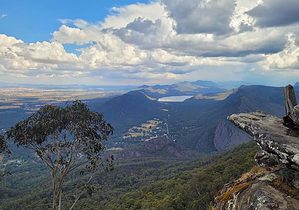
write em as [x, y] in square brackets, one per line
[63, 138]
[134, 184]
[194, 189]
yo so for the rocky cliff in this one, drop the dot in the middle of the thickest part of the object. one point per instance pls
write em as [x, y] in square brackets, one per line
[274, 182]
[227, 136]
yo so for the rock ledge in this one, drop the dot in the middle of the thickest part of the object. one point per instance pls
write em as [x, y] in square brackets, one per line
[274, 183]
[271, 135]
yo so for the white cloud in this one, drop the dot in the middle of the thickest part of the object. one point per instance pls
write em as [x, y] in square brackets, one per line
[148, 34]
[286, 59]
[240, 20]
[15, 55]
[110, 52]
[3, 16]
[201, 16]
[162, 40]
[121, 16]
[71, 35]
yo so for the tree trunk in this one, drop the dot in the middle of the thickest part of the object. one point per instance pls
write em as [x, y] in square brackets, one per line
[57, 196]
[79, 196]
[55, 206]
[55, 201]
[59, 204]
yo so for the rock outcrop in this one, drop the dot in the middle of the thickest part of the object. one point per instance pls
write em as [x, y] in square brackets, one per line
[271, 135]
[292, 109]
[274, 183]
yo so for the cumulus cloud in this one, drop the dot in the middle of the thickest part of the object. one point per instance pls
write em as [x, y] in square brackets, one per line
[162, 41]
[276, 13]
[286, 59]
[240, 20]
[147, 33]
[121, 16]
[201, 16]
[110, 52]
[15, 55]
[69, 35]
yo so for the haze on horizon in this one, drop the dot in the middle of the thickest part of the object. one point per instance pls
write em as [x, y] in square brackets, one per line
[129, 42]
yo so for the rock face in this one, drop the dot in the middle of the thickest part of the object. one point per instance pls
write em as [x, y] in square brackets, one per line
[274, 184]
[227, 136]
[271, 135]
[292, 109]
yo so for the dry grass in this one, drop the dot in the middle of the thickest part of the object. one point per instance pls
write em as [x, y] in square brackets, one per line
[226, 196]
[256, 171]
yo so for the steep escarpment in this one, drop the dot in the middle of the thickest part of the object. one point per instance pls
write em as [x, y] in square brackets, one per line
[204, 123]
[274, 184]
[227, 136]
[198, 123]
[245, 99]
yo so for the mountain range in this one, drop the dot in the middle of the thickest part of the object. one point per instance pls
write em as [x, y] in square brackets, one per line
[198, 123]
[158, 148]
[182, 89]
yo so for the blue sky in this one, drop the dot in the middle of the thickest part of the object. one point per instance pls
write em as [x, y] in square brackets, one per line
[148, 42]
[35, 20]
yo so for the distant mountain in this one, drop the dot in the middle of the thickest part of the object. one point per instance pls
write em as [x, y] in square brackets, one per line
[246, 99]
[297, 85]
[157, 147]
[196, 124]
[199, 123]
[181, 89]
[70, 87]
[130, 109]
[204, 124]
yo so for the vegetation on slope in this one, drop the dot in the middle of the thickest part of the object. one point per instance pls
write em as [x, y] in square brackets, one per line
[134, 184]
[190, 189]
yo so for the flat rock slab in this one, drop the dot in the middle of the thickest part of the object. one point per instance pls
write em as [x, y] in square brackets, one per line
[272, 136]
[262, 196]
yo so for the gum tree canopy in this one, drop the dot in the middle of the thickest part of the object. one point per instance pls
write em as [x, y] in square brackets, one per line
[64, 138]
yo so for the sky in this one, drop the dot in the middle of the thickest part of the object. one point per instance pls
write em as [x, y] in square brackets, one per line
[129, 42]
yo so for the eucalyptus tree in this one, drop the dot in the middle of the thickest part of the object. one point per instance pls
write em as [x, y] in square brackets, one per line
[64, 138]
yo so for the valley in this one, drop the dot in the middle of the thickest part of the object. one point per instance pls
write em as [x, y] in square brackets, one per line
[149, 105]
[197, 123]
[154, 143]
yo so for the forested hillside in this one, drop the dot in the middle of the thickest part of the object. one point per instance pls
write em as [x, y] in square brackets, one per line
[192, 188]
[135, 184]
